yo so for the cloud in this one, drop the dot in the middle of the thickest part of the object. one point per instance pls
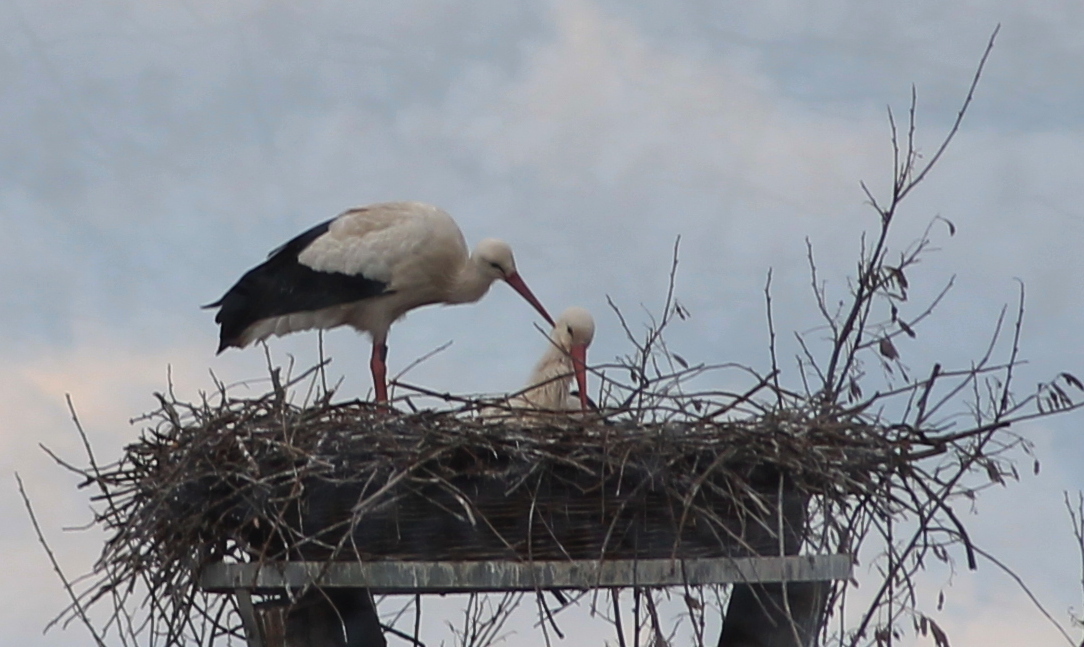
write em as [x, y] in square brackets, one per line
[600, 107]
[840, 57]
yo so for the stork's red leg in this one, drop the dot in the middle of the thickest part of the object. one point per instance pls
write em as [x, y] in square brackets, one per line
[380, 371]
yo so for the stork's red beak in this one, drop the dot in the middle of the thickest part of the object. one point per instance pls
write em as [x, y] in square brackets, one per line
[519, 286]
[579, 366]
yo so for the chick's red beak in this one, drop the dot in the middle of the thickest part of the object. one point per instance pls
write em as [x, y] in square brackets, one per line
[579, 367]
[519, 286]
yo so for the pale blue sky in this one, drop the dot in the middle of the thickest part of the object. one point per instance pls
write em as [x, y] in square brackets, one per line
[150, 152]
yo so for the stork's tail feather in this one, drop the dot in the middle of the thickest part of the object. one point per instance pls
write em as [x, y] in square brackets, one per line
[223, 344]
[234, 317]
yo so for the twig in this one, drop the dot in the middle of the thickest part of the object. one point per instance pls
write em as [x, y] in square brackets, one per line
[56, 566]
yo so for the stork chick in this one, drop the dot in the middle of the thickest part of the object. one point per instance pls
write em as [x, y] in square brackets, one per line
[565, 357]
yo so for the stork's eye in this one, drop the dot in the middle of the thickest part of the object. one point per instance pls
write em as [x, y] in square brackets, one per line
[569, 329]
[496, 266]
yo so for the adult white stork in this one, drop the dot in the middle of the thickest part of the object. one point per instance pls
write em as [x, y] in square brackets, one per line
[364, 268]
[548, 388]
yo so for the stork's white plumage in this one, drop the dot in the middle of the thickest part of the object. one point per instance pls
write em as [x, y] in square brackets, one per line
[365, 268]
[549, 386]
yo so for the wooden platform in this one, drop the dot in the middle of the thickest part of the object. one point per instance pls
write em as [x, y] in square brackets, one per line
[496, 576]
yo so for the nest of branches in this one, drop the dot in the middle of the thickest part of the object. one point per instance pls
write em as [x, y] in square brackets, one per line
[263, 479]
[249, 479]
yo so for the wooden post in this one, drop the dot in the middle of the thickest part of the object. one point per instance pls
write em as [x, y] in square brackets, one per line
[253, 635]
[784, 614]
[774, 615]
[340, 617]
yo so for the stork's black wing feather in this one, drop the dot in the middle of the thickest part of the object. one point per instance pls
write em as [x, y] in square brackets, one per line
[281, 285]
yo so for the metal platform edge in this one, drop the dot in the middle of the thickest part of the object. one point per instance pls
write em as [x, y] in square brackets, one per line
[493, 576]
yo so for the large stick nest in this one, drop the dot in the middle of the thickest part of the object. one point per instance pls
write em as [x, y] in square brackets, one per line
[264, 479]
